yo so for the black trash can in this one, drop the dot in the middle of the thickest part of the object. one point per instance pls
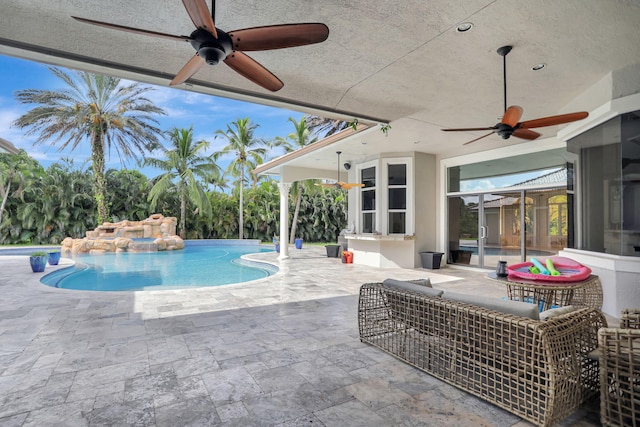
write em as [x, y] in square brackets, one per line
[334, 251]
[431, 259]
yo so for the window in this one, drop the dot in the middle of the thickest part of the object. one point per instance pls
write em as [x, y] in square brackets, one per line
[385, 203]
[397, 198]
[608, 185]
[368, 198]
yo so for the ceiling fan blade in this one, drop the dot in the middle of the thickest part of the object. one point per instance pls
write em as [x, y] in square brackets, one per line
[200, 15]
[189, 69]
[253, 70]
[554, 120]
[474, 140]
[132, 30]
[512, 116]
[525, 134]
[468, 129]
[278, 36]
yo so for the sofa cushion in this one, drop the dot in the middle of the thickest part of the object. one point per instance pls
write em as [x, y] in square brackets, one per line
[516, 308]
[408, 286]
[422, 282]
[555, 312]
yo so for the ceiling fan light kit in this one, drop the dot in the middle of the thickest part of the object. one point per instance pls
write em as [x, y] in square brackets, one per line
[213, 45]
[510, 125]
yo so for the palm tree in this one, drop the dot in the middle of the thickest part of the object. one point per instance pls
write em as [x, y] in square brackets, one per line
[324, 127]
[183, 165]
[95, 108]
[292, 142]
[247, 151]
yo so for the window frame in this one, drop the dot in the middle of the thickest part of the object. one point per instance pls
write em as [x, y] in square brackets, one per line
[409, 194]
[382, 187]
[376, 210]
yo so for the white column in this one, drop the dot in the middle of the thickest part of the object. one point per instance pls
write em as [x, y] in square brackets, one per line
[284, 219]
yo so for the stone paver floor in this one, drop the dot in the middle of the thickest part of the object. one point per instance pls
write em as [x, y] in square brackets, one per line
[280, 351]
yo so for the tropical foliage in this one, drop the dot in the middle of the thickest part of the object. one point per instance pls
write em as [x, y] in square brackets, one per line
[247, 151]
[95, 109]
[45, 206]
[185, 169]
[323, 126]
[294, 141]
[14, 171]
[53, 204]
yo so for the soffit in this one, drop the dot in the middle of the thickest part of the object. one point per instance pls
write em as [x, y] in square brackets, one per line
[401, 62]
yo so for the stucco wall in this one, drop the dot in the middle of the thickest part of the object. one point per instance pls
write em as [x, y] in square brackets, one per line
[426, 211]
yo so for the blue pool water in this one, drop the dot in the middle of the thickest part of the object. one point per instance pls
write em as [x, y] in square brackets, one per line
[196, 266]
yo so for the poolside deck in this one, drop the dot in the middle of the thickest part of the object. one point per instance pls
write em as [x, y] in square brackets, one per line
[280, 351]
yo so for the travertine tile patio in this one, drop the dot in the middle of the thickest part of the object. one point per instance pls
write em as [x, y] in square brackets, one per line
[280, 351]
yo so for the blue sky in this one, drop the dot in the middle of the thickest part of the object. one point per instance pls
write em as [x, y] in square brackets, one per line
[205, 113]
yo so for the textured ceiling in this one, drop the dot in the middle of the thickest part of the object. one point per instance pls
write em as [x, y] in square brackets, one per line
[401, 62]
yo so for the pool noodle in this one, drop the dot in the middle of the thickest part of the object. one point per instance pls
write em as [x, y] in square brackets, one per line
[551, 268]
[540, 267]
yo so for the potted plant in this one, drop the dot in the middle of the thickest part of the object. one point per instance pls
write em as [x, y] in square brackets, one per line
[53, 256]
[38, 261]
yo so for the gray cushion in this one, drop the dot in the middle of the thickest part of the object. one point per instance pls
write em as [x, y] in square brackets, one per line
[408, 286]
[422, 282]
[555, 312]
[517, 308]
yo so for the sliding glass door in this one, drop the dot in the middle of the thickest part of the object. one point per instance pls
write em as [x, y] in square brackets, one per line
[464, 230]
[509, 209]
[511, 226]
[501, 225]
[484, 228]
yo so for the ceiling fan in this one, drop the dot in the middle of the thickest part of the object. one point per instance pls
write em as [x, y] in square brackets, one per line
[213, 45]
[511, 124]
[339, 184]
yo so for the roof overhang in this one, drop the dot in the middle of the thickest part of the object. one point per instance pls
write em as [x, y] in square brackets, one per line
[290, 167]
[7, 147]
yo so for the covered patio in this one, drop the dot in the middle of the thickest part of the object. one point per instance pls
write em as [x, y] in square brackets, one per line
[279, 351]
[410, 69]
[285, 350]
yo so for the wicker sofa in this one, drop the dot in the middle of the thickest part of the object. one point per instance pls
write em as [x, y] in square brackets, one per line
[538, 370]
[619, 355]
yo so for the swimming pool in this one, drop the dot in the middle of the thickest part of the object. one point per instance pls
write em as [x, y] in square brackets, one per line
[200, 263]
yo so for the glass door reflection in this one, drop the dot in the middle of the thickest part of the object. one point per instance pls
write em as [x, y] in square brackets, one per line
[463, 230]
[501, 220]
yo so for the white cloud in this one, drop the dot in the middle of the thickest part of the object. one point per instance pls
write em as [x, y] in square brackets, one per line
[477, 185]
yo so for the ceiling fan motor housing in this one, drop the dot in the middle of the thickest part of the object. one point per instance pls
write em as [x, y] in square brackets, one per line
[504, 130]
[211, 49]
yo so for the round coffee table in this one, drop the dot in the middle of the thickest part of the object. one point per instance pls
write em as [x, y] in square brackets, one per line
[548, 295]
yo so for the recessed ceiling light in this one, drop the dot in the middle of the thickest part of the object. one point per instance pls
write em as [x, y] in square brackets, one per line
[364, 143]
[417, 142]
[539, 66]
[464, 27]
